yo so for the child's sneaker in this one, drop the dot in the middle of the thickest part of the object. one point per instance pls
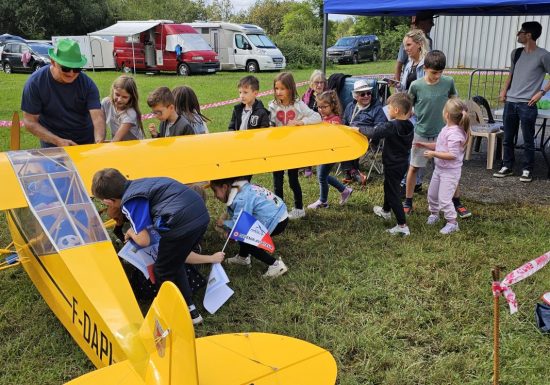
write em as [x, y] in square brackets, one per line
[318, 205]
[344, 195]
[276, 270]
[462, 211]
[308, 172]
[238, 260]
[196, 317]
[398, 230]
[449, 228]
[296, 214]
[378, 210]
[432, 219]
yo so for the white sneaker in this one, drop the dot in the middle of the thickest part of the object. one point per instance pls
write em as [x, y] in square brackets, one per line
[378, 210]
[318, 205]
[432, 219]
[404, 231]
[449, 228]
[526, 176]
[296, 214]
[276, 270]
[238, 260]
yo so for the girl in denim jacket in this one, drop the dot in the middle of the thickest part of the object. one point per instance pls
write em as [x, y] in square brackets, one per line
[240, 195]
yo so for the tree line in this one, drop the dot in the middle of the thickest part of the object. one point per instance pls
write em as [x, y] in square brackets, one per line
[296, 27]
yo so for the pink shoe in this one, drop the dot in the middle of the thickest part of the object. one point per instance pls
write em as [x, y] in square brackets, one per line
[344, 195]
[308, 172]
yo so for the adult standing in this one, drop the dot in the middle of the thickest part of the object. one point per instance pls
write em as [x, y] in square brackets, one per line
[60, 104]
[522, 90]
[424, 20]
[416, 47]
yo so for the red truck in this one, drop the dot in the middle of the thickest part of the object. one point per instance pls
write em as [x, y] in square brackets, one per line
[160, 45]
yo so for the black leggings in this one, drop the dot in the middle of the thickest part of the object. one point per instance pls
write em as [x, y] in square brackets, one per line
[278, 182]
[170, 263]
[261, 254]
[392, 192]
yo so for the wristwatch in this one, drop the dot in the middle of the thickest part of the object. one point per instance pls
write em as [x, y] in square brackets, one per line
[543, 91]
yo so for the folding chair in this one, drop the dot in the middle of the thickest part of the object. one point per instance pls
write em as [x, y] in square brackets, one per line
[372, 159]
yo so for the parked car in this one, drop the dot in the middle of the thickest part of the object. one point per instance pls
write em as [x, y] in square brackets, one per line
[353, 49]
[12, 56]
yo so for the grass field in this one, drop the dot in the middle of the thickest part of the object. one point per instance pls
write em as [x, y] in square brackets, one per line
[392, 311]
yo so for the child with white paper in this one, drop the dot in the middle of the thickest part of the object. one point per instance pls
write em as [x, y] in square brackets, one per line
[241, 196]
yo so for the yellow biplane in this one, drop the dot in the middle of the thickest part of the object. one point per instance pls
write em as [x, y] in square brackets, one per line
[65, 249]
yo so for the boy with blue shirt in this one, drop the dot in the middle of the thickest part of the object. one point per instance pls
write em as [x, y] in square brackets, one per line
[175, 211]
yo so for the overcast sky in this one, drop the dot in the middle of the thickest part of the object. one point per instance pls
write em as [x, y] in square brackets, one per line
[244, 4]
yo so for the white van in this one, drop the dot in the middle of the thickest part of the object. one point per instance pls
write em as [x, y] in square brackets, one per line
[241, 46]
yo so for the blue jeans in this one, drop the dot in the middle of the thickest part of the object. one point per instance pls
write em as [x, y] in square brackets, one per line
[325, 179]
[514, 113]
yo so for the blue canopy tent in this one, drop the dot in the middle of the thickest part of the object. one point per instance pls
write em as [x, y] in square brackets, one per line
[411, 7]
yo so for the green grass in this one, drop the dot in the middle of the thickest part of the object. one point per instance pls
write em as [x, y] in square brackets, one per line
[391, 310]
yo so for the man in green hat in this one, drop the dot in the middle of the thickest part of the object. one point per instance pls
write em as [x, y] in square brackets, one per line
[60, 104]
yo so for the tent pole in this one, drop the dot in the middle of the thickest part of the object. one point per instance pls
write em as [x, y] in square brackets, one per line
[91, 52]
[325, 32]
[133, 55]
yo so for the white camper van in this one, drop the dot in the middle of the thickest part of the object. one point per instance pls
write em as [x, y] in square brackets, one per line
[241, 46]
[98, 50]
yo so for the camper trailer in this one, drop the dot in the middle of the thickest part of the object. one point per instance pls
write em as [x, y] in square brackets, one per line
[241, 46]
[160, 45]
[98, 50]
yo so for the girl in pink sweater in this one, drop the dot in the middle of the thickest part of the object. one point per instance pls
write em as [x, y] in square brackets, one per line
[448, 152]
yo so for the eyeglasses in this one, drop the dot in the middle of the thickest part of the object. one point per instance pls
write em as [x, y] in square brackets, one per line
[67, 69]
[363, 94]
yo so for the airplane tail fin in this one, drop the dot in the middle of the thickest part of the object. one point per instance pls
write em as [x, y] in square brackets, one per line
[168, 337]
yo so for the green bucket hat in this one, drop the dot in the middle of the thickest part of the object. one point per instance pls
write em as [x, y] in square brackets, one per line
[67, 53]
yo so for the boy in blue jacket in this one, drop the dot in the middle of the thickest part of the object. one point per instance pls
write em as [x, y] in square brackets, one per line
[175, 211]
[240, 195]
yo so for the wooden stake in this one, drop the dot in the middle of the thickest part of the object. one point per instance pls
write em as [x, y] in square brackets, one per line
[496, 328]
[15, 133]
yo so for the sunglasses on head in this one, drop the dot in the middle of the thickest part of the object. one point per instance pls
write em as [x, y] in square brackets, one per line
[67, 69]
[363, 94]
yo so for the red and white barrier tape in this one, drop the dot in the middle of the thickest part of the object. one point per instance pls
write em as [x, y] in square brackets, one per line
[503, 287]
[7, 123]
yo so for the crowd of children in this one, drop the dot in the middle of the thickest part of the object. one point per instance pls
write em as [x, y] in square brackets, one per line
[179, 214]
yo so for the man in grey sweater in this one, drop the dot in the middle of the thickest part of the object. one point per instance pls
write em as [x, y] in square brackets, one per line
[522, 90]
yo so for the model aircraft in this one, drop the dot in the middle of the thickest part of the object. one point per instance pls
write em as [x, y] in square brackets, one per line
[64, 247]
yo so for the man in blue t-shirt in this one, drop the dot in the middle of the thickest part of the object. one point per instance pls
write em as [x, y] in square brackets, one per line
[60, 104]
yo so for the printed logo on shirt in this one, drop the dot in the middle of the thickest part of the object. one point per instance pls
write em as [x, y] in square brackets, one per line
[254, 120]
[286, 116]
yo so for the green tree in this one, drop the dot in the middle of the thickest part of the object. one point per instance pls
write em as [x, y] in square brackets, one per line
[220, 10]
[268, 15]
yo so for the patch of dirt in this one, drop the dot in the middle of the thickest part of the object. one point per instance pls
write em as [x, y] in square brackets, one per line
[478, 184]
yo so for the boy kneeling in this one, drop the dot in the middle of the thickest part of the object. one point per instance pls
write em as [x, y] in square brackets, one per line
[174, 210]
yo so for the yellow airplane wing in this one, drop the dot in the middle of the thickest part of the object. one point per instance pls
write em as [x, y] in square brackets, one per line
[197, 158]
